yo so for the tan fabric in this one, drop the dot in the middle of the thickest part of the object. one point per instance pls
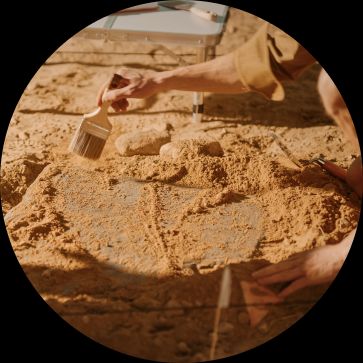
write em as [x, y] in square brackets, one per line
[268, 59]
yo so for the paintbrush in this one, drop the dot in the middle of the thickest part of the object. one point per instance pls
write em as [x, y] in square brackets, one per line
[332, 168]
[284, 148]
[95, 128]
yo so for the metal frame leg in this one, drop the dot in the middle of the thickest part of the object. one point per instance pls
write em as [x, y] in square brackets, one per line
[198, 97]
[212, 52]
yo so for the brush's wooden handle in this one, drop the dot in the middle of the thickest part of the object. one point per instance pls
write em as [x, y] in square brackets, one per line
[332, 168]
[205, 14]
[104, 107]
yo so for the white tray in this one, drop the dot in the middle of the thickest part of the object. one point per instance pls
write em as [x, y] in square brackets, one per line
[163, 25]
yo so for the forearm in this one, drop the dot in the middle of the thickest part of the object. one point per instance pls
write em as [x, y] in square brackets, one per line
[354, 176]
[257, 66]
[218, 76]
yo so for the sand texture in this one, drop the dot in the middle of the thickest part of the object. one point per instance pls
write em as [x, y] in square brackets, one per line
[130, 249]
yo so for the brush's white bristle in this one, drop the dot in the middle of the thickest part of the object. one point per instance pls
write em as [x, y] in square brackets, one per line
[89, 140]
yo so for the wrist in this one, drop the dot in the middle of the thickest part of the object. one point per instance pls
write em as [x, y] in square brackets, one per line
[192, 78]
[164, 80]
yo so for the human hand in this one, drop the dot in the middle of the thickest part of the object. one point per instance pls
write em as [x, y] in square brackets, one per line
[135, 84]
[336, 108]
[330, 96]
[308, 268]
[352, 176]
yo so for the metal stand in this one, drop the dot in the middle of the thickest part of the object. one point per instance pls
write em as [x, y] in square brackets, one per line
[198, 97]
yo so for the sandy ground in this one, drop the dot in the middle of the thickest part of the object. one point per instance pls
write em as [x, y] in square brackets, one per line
[130, 250]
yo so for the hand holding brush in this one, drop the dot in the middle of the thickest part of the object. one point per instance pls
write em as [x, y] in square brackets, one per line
[95, 128]
[352, 176]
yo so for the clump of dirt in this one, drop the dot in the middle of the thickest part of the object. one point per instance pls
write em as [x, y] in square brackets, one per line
[40, 218]
[16, 176]
[142, 142]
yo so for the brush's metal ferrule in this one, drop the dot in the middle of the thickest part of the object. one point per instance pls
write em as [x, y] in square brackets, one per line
[318, 161]
[95, 130]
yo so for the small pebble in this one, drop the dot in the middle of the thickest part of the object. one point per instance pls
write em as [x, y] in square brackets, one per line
[183, 348]
[225, 327]
[263, 328]
[47, 273]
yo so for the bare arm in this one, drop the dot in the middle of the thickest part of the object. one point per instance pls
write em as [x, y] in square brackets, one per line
[218, 75]
[259, 65]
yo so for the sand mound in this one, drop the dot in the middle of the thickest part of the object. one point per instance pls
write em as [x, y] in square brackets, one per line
[152, 227]
[16, 176]
[62, 207]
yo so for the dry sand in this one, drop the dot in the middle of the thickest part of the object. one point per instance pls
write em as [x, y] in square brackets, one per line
[130, 250]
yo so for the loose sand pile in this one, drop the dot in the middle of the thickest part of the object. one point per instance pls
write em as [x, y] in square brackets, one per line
[129, 249]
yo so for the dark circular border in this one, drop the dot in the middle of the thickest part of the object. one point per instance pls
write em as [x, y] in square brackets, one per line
[32, 31]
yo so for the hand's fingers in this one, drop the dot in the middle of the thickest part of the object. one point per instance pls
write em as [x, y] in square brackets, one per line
[124, 104]
[277, 267]
[294, 286]
[127, 104]
[120, 105]
[282, 276]
[117, 94]
[334, 169]
[115, 107]
[122, 82]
